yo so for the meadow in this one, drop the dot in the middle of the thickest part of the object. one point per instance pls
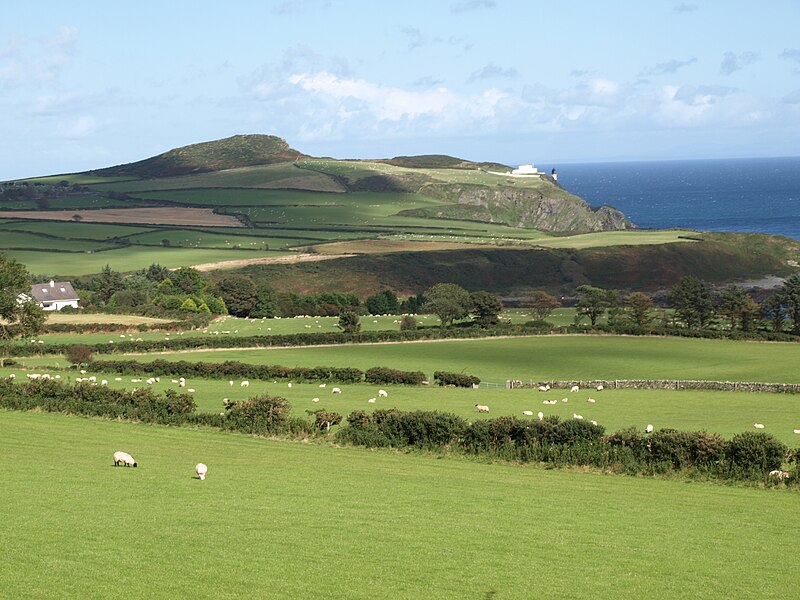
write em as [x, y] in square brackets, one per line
[285, 519]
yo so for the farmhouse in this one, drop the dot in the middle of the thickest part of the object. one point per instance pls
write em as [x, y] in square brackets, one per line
[54, 295]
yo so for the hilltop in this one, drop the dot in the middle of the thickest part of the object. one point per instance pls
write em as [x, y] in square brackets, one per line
[230, 153]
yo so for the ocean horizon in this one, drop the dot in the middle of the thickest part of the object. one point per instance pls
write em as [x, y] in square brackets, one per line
[740, 194]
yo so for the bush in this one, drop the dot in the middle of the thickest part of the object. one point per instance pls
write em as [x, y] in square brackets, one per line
[408, 323]
[79, 354]
[430, 430]
[260, 414]
[381, 375]
[455, 379]
[756, 452]
[684, 449]
[324, 420]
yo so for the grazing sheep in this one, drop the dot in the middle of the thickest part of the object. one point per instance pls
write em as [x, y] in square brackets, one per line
[779, 475]
[544, 388]
[230, 382]
[540, 415]
[12, 376]
[336, 390]
[574, 389]
[758, 425]
[244, 383]
[649, 428]
[564, 400]
[93, 379]
[190, 390]
[591, 400]
[593, 422]
[527, 413]
[797, 431]
[383, 393]
[481, 408]
[322, 385]
[104, 382]
[125, 459]
[599, 387]
[117, 378]
[201, 471]
[315, 399]
[174, 381]
[289, 384]
[577, 416]
[372, 400]
[136, 380]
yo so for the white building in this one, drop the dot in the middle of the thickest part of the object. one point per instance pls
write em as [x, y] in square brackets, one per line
[55, 295]
[524, 170]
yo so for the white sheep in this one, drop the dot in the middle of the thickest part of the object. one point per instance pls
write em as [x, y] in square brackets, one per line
[244, 383]
[577, 416]
[125, 459]
[322, 385]
[481, 408]
[779, 474]
[758, 425]
[372, 400]
[230, 382]
[315, 399]
[527, 413]
[649, 428]
[190, 390]
[540, 415]
[383, 393]
[574, 389]
[591, 400]
[117, 378]
[797, 431]
[599, 387]
[564, 400]
[593, 422]
[12, 376]
[201, 470]
[336, 390]
[544, 388]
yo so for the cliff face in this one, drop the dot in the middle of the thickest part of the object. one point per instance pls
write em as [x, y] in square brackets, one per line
[550, 209]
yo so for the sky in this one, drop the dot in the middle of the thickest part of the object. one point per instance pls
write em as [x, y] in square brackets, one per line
[91, 84]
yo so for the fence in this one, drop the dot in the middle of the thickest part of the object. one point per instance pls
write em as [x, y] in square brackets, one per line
[663, 384]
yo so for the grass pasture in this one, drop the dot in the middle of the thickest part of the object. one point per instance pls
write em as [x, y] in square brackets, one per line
[280, 519]
[548, 357]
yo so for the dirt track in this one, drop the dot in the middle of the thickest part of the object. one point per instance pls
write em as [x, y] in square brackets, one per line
[267, 260]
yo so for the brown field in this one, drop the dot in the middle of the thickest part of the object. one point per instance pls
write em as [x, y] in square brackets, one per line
[146, 216]
[100, 319]
[386, 246]
[274, 260]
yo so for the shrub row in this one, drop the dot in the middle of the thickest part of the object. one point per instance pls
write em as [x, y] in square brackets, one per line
[112, 327]
[386, 375]
[455, 379]
[227, 369]
[750, 455]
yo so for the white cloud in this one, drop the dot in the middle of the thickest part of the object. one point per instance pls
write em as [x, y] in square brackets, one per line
[470, 5]
[732, 62]
[393, 104]
[79, 128]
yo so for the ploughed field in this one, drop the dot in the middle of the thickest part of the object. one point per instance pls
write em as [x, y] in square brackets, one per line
[285, 519]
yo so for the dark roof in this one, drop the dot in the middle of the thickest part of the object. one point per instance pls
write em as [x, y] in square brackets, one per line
[53, 290]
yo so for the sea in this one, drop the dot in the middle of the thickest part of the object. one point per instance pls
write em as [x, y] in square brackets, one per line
[759, 194]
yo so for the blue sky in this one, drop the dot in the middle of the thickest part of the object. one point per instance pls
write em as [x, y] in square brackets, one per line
[91, 84]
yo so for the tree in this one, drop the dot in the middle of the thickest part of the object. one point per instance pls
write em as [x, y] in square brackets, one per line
[239, 294]
[20, 315]
[349, 322]
[774, 311]
[156, 273]
[189, 305]
[693, 300]
[486, 307]
[189, 280]
[593, 302]
[541, 304]
[107, 283]
[383, 303]
[408, 323]
[447, 301]
[736, 305]
[79, 355]
[639, 309]
[790, 296]
[266, 302]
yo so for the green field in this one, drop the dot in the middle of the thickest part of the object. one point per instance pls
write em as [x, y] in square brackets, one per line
[550, 357]
[281, 519]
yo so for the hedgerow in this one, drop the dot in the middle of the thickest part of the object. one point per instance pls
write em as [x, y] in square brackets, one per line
[455, 379]
[380, 375]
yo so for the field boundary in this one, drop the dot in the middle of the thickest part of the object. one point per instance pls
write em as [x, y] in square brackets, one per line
[661, 384]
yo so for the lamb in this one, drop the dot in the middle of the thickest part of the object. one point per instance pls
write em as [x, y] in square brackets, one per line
[540, 415]
[599, 387]
[244, 383]
[315, 399]
[758, 425]
[591, 400]
[124, 459]
[574, 389]
[289, 384]
[336, 390]
[577, 416]
[372, 400]
[201, 471]
[190, 390]
[322, 385]
[230, 382]
[481, 408]
[383, 393]
[104, 382]
[649, 428]
[527, 413]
